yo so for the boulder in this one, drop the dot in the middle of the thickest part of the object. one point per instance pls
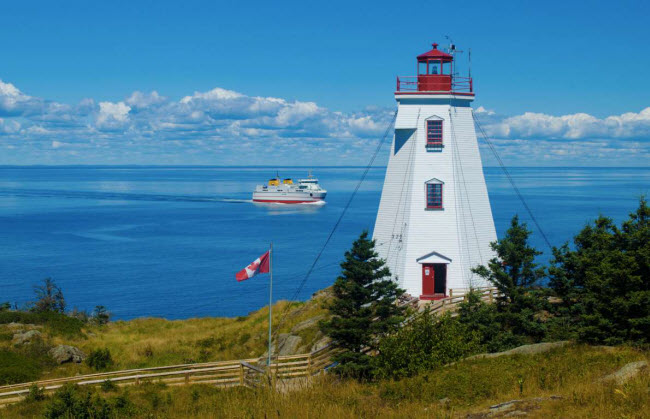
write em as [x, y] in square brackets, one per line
[23, 338]
[66, 353]
[627, 372]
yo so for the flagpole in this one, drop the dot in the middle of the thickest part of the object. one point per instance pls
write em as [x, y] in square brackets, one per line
[268, 361]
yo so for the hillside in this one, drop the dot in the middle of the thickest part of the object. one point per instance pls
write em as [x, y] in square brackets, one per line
[26, 338]
[564, 382]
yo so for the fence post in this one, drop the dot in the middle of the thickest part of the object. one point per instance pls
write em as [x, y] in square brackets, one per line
[451, 293]
[187, 378]
[309, 365]
[241, 374]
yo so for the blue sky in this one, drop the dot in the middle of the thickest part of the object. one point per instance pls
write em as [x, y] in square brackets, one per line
[152, 82]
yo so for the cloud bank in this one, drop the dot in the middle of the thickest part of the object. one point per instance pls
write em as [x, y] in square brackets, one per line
[222, 126]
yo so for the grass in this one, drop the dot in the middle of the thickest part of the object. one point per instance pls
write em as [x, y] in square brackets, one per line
[150, 342]
[466, 388]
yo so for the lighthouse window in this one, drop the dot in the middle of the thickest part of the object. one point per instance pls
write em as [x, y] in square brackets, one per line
[434, 195]
[434, 135]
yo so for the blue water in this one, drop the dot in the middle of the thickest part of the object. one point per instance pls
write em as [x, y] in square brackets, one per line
[167, 241]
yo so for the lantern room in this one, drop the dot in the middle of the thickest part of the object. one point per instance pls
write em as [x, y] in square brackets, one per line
[435, 74]
[435, 71]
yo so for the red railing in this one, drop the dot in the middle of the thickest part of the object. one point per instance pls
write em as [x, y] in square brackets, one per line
[417, 84]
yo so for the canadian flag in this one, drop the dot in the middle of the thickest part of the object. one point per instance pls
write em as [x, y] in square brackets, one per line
[260, 266]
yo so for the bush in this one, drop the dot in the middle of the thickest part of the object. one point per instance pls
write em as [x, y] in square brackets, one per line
[36, 394]
[108, 385]
[17, 368]
[427, 343]
[101, 316]
[100, 359]
[484, 319]
[71, 401]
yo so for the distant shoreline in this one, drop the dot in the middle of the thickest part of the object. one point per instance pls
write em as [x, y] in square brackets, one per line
[160, 166]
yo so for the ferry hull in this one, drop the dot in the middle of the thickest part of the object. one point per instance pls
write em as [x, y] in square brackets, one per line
[287, 198]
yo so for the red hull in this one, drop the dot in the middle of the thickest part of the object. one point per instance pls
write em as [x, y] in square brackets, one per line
[285, 202]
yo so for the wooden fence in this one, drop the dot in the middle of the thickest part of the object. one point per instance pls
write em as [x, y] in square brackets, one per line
[247, 372]
[244, 372]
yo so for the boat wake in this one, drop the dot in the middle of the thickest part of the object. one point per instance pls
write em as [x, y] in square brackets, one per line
[114, 196]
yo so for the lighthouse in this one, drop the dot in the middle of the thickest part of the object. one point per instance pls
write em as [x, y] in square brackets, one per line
[434, 222]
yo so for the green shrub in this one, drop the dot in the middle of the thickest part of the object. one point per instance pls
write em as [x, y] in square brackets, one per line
[100, 359]
[428, 342]
[483, 318]
[36, 394]
[71, 401]
[107, 385]
[17, 368]
[101, 316]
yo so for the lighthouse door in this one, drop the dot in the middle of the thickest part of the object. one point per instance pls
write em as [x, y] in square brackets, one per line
[434, 280]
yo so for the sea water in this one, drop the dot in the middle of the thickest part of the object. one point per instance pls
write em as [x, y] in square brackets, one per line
[167, 241]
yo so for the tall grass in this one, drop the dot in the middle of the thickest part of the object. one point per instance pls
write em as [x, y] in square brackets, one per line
[468, 387]
[149, 342]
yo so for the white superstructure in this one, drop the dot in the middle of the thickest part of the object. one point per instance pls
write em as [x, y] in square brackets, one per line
[434, 221]
[307, 190]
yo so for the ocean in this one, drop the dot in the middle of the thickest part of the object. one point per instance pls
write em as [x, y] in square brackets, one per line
[167, 241]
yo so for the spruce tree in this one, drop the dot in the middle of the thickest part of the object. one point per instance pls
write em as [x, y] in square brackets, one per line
[363, 308]
[604, 281]
[515, 273]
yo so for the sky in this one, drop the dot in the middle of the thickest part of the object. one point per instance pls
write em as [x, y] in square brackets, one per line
[557, 83]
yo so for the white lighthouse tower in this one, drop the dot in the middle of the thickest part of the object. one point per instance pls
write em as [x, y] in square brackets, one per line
[434, 222]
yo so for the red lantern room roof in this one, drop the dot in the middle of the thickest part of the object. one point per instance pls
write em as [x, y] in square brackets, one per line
[435, 54]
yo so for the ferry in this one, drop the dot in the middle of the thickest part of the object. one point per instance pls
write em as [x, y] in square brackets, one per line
[285, 191]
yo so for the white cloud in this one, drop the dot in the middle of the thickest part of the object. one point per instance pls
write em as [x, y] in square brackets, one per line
[14, 102]
[572, 127]
[112, 116]
[139, 100]
[221, 126]
[9, 126]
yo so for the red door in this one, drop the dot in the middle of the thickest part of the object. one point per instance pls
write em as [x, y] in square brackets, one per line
[427, 281]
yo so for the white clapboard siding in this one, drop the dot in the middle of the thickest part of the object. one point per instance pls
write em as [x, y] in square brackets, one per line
[461, 232]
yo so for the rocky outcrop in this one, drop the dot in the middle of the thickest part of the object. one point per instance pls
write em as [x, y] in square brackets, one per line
[626, 373]
[66, 353]
[23, 338]
[288, 344]
[311, 322]
[536, 348]
[514, 408]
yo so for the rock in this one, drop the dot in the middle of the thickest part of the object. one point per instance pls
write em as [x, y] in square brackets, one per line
[626, 373]
[288, 344]
[503, 407]
[66, 353]
[321, 343]
[307, 324]
[536, 348]
[23, 338]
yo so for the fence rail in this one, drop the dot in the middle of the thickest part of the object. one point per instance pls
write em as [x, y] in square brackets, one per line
[243, 372]
[222, 373]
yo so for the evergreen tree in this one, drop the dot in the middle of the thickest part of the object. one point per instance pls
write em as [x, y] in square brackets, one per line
[514, 273]
[604, 284]
[363, 308]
